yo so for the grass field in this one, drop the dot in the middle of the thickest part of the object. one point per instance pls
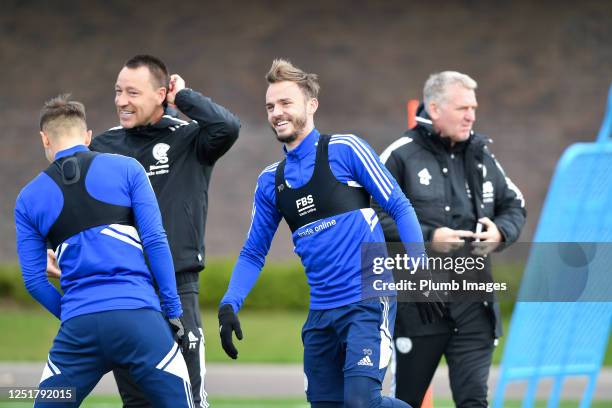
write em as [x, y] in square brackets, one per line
[27, 335]
[112, 402]
[269, 336]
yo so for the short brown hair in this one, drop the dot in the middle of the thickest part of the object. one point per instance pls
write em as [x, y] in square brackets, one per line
[283, 70]
[156, 67]
[61, 112]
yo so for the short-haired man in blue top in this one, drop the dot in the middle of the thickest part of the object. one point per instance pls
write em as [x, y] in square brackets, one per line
[322, 189]
[99, 212]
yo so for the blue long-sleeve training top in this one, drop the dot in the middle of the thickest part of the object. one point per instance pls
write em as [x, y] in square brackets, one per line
[330, 249]
[103, 268]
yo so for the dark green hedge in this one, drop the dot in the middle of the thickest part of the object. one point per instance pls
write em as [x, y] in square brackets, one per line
[11, 285]
[281, 285]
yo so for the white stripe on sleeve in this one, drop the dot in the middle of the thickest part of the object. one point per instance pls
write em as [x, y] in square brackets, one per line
[394, 146]
[253, 211]
[371, 158]
[384, 191]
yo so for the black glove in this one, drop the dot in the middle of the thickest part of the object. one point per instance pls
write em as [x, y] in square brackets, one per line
[431, 312]
[432, 308]
[178, 331]
[229, 323]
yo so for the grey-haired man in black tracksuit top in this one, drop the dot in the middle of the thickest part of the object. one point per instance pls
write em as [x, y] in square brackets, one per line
[453, 182]
[178, 157]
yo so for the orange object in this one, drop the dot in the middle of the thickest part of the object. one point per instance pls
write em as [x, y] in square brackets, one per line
[428, 399]
[411, 109]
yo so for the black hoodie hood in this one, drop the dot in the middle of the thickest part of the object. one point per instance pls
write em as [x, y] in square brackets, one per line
[168, 120]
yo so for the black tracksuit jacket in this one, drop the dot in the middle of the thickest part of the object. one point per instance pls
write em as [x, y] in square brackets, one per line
[435, 178]
[178, 157]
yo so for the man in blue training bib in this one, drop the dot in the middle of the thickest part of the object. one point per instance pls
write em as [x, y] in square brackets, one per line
[322, 189]
[99, 213]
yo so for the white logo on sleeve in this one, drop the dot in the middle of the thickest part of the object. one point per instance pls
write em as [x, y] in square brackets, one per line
[193, 340]
[424, 177]
[160, 153]
[488, 193]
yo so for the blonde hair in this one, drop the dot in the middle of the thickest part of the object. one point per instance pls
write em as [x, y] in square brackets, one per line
[437, 84]
[283, 70]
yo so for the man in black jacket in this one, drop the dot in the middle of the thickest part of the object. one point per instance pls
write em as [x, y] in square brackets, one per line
[454, 184]
[178, 157]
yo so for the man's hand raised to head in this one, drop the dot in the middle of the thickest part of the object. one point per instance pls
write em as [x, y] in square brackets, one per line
[176, 84]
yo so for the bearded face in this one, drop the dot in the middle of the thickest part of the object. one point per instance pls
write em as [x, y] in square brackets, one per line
[288, 113]
[288, 127]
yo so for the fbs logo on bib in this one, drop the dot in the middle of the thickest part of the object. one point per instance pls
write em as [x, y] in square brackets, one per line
[305, 205]
[160, 154]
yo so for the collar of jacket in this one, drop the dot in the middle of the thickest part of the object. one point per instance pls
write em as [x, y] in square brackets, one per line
[473, 148]
[307, 146]
[152, 130]
[70, 151]
[431, 140]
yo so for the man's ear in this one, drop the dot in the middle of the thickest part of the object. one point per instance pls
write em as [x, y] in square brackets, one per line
[46, 142]
[162, 92]
[45, 139]
[88, 138]
[433, 109]
[312, 106]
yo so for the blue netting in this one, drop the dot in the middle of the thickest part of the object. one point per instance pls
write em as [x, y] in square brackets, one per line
[560, 339]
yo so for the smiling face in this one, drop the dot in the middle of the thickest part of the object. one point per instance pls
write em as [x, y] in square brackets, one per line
[290, 112]
[137, 97]
[454, 116]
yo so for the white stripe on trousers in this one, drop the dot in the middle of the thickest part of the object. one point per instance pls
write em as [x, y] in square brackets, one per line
[201, 351]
